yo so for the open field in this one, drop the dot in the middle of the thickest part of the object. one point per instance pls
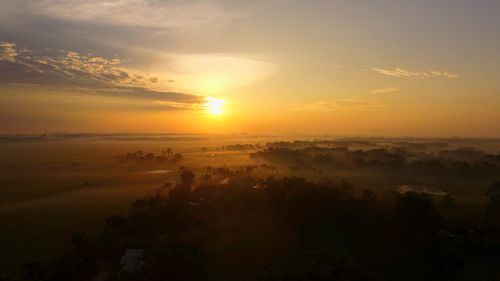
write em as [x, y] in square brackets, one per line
[52, 189]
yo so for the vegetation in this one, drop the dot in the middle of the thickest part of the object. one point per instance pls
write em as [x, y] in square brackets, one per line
[230, 225]
[457, 164]
[166, 155]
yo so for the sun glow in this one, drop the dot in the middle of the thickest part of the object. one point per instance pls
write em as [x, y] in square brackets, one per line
[214, 106]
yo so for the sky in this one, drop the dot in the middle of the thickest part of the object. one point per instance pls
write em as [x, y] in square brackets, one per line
[326, 67]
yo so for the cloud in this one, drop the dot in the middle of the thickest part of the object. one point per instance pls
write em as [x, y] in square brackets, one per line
[443, 74]
[65, 67]
[402, 73]
[356, 103]
[317, 106]
[131, 13]
[213, 73]
[178, 105]
[383, 91]
[362, 101]
[173, 99]
[8, 51]
[141, 29]
[91, 75]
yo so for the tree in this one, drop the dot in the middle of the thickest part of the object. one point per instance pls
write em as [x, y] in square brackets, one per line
[492, 215]
[177, 157]
[447, 202]
[182, 191]
[415, 215]
[34, 271]
[368, 198]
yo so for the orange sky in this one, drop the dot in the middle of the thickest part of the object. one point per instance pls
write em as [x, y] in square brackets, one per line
[264, 67]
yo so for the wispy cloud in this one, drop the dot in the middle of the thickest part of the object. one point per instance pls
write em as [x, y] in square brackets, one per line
[137, 13]
[356, 103]
[91, 75]
[361, 101]
[402, 73]
[383, 91]
[316, 106]
[8, 51]
[66, 67]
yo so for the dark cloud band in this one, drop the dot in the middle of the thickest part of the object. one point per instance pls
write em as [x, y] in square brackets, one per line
[90, 75]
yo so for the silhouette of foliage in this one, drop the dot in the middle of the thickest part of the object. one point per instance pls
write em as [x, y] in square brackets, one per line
[330, 232]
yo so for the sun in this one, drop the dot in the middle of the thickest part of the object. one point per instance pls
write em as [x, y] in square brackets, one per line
[214, 106]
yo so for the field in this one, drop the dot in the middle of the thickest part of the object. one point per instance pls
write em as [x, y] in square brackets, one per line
[52, 189]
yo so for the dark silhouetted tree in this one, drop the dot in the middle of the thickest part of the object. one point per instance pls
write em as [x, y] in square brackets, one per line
[35, 271]
[492, 215]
